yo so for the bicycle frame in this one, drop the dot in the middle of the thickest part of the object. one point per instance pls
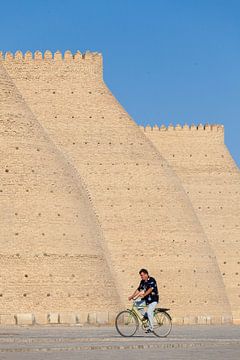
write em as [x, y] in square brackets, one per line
[135, 311]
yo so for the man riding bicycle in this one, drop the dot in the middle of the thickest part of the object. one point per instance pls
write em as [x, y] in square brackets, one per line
[147, 292]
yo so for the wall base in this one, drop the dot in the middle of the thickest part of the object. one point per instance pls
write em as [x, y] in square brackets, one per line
[101, 318]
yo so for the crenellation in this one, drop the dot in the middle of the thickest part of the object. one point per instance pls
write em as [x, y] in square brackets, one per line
[18, 55]
[68, 56]
[217, 128]
[91, 55]
[8, 55]
[57, 56]
[93, 58]
[28, 56]
[178, 127]
[38, 55]
[199, 129]
[48, 55]
[148, 128]
[155, 128]
[78, 56]
[163, 128]
[91, 62]
[186, 127]
[207, 127]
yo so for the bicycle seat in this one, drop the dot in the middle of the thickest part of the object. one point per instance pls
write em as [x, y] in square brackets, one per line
[161, 309]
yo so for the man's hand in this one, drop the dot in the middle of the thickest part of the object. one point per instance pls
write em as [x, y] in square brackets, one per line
[134, 295]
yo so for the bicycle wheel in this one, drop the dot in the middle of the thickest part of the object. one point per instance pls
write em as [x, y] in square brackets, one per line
[126, 323]
[162, 324]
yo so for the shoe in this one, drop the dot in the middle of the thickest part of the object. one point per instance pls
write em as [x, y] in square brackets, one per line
[148, 331]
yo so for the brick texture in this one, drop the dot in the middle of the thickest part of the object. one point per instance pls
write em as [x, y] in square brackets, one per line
[135, 211]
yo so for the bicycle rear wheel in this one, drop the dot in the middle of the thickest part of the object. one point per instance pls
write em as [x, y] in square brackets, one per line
[126, 323]
[162, 324]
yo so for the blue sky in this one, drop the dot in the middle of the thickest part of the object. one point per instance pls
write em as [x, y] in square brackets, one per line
[167, 61]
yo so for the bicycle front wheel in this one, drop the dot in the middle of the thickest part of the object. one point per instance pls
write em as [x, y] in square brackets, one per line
[126, 323]
[162, 324]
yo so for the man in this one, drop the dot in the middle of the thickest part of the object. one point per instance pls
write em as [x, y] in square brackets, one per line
[148, 294]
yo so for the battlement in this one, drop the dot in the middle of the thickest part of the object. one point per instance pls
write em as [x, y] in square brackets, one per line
[89, 63]
[49, 56]
[212, 133]
[185, 128]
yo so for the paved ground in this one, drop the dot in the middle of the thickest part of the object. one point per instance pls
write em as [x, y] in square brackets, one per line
[88, 343]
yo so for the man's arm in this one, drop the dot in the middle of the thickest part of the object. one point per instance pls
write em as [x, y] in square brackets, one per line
[135, 294]
[146, 293]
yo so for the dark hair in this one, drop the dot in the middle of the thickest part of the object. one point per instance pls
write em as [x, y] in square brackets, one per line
[143, 271]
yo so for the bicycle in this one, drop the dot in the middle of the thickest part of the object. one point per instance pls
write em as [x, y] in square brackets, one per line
[127, 322]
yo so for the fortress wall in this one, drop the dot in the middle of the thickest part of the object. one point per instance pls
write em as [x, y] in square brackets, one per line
[90, 63]
[50, 252]
[211, 180]
[145, 215]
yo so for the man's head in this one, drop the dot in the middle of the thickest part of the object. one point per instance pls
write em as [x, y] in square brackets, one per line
[144, 274]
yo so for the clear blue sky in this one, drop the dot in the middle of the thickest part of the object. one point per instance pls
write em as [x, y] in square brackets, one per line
[167, 61]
